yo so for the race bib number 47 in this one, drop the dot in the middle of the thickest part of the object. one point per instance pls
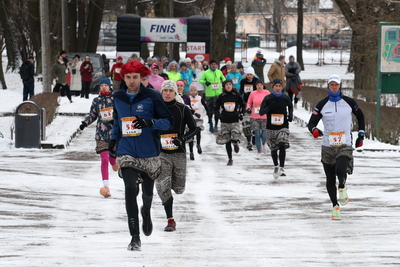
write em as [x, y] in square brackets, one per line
[127, 127]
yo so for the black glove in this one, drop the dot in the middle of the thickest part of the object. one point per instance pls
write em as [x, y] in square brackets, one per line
[316, 132]
[82, 126]
[207, 83]
[217, 115]
[248, 110]
[240, 116]
[290, 118]
[178, 141]
[197, 115]
[140, 123]
[112, 148]
[360, 139]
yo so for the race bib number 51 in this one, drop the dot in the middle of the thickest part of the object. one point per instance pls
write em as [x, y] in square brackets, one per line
[127, 127]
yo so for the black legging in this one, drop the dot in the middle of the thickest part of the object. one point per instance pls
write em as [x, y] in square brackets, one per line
[85, 89]
[228, 147]
[59, 87]
[130, 177]
[198, 139]
[331, 171]
[282, 155]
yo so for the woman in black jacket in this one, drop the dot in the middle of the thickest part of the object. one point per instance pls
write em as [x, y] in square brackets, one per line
[229, 108]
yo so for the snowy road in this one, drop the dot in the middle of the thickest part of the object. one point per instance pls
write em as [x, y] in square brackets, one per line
[53, 215]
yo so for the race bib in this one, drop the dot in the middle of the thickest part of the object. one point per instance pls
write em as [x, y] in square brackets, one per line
[117, 70]
[229, 106]
[277, 119]
[215, 86]
[194, 103]
[235, 80]
[127, 127]
[166, 141]
[248, 88]
[106, 114]
[256, 109]
[337, 138]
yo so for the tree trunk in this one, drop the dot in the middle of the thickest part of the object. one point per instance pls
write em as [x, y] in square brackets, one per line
[80, 42]
[299, 56]
[95, 16]
[34, 33]
[276, 18]
[161, 10]
[2, 79]
[72, 29]
[231, 29]
[218, 22]
[9, 35]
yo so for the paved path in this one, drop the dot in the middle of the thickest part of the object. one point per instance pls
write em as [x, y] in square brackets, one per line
[52, 214]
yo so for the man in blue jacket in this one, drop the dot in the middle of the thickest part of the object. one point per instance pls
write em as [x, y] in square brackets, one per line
[139, 113]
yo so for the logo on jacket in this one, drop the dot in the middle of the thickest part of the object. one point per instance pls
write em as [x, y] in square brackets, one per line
[140, 108]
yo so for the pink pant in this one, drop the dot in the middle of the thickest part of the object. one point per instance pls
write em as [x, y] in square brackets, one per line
[105, 158]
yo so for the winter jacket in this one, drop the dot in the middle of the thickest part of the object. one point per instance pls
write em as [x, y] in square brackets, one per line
[156, 81]
[59, 70]
[231, 104]
[187, 77]
[148, 104]
[276, 108]
[293, 81]
[31, 71]
[337, 118]
[254, 102]
[214, 78]
[102, 111]
[246, 87]
[115, 72]
[236, 78]
[199, 105]
[182, 118]
[86, 71]
[76, 79]
[258, 65]
[277, 71]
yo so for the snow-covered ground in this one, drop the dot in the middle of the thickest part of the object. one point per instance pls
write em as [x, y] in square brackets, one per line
[53, 215]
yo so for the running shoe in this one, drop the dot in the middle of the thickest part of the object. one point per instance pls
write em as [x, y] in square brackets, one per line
[147, 225]
[343, 197]
[281, 171]
[171, 225]
[135, 244]
[105, 192]
[259, 155]
[199, 150]
[216, 128]
[236, 147]
[276, 172]
[211, 127]
[336, 213]
[230, 162]
[191, 156]
[249, 146]
[264, 149]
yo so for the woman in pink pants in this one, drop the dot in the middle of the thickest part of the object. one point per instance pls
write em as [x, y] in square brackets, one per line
[102, 111]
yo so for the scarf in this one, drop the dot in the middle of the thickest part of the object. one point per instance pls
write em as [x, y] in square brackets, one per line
[334, 97]
[275, 94]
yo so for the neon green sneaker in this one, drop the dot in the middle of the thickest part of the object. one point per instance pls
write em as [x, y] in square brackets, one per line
[343, 197]
[336, 213]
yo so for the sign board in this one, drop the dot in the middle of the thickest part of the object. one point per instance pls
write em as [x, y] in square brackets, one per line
[163, 30]
[390, 49]
[196, 48]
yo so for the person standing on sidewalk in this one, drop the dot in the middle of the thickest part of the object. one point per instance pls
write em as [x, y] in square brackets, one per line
[59, 73]
[138, 114]
[258, 122]
[27, 73]
[173, 151]
[86, 76]
[102, 111]
[232, 106]
[336, 152]
[212, 79]
[279, 110]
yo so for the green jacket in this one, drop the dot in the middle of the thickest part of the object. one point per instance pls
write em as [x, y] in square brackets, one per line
[212, 77]
[58, 70]
[174, 76]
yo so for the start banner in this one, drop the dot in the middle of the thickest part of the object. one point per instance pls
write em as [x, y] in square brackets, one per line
[163, 30]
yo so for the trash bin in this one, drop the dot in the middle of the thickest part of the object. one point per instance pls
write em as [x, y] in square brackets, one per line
[27, 125]
[253, 40]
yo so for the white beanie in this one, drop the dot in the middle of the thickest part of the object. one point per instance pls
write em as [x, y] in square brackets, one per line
[170, 85]
[250, 70]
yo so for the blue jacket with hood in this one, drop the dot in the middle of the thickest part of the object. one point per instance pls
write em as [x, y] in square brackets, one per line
[148, 104]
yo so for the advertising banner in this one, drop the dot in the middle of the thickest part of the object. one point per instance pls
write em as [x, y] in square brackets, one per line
[163, 30]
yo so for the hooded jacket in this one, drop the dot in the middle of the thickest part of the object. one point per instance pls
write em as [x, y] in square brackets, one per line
[277, 71]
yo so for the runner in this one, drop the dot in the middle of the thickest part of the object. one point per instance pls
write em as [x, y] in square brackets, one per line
[276, 106]
[199, 105]
[102, 111]
[173, 153]
[138, 113]
[337, 153]
[258, 122]
[232, 107]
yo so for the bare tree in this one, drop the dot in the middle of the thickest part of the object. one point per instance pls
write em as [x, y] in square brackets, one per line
[299, 41]
[218, 23]
[230, 28]
[363, 18]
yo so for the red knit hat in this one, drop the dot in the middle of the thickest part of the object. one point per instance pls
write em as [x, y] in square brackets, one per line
[135, 67]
